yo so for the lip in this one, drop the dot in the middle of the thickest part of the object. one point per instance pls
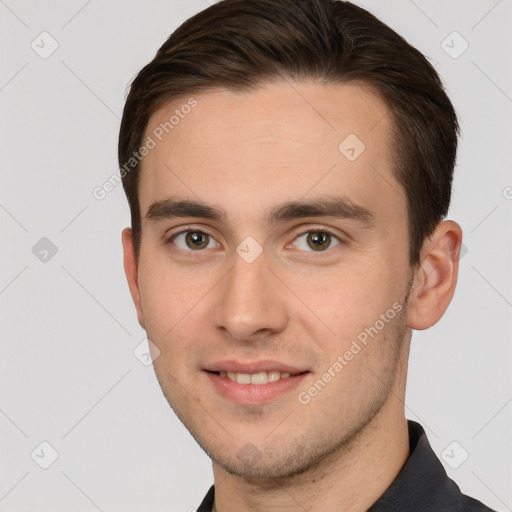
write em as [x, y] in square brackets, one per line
[254, 394]
[266, 365]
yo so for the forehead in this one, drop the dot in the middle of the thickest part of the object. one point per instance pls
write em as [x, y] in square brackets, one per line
[278, 142]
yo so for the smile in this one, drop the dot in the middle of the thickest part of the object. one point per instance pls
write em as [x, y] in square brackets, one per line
[254, 388]
[255, 378]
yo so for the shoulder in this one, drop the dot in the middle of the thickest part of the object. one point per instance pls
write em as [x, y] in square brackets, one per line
[468, 504]
[423, 484]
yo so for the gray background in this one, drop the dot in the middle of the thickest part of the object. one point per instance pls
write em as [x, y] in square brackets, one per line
[69, 376]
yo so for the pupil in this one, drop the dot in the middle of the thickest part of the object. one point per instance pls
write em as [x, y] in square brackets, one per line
[318, 240]
[197, 239]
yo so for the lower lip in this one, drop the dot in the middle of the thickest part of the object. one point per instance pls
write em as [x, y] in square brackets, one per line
[250, 394]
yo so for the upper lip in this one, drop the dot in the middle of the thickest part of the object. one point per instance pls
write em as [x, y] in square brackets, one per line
[266, 365]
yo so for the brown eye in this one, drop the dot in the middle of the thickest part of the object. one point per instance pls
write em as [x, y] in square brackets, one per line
[193, 240]
[196, 240]
[318, 241]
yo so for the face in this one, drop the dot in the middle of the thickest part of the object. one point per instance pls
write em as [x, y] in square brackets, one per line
[273, 274]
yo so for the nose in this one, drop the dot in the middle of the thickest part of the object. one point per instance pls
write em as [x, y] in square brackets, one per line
[250, 303]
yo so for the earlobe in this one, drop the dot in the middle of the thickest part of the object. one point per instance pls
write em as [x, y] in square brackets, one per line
[436, 276]
[131, 272]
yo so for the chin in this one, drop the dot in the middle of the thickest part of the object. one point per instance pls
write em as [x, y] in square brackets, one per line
[274, 468]
[275, 463]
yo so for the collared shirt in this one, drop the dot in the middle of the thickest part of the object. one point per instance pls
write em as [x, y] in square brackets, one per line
[421, 486]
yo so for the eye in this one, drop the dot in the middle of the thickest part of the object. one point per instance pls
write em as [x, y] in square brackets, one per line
[193, 240]
[318, 241]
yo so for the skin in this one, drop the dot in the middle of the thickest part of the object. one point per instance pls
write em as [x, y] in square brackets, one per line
[248, 153]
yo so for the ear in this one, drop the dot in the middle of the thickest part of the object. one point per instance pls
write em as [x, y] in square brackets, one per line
[436, 276]
[131, 271]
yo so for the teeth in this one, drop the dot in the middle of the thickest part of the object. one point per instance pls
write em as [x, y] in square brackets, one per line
[243, 378]
[273, 376]
[255, 378]
[259, 378]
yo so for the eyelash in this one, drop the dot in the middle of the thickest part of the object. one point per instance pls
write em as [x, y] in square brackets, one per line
[310, 230]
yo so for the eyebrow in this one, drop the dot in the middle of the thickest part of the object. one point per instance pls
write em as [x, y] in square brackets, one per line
[328, 206]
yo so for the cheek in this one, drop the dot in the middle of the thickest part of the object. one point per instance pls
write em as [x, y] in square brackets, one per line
[173, 304]
[364, 368]
[163, 299]
[165, 291]
[348, 298]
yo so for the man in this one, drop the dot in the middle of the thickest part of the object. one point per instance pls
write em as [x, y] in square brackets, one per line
[288, 165]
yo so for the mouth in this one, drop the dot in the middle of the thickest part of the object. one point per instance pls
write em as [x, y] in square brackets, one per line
[258, 378]
[256, 383]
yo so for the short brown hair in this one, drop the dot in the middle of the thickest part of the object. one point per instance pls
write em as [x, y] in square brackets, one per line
[239, 44]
